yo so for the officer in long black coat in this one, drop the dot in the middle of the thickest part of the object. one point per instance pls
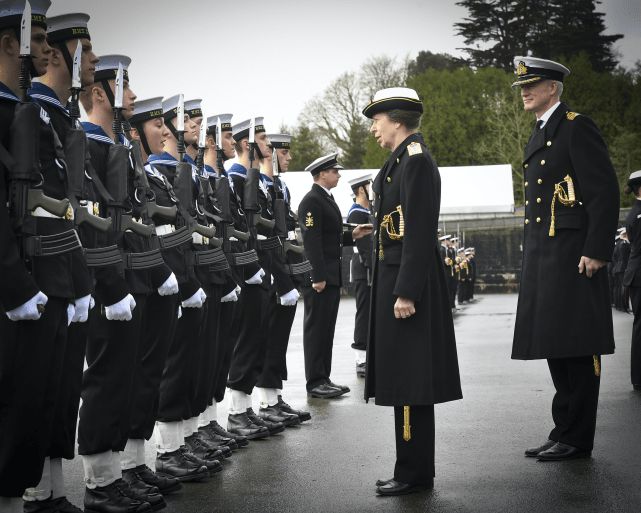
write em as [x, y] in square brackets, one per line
[411, 356]
[571, 211]
[632, 276]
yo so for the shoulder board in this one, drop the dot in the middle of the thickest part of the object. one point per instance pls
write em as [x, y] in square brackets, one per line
[414, 149]
[572, 115]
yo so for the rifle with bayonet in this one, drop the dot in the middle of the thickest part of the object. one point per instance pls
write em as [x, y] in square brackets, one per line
[117, 181]
[25, 173]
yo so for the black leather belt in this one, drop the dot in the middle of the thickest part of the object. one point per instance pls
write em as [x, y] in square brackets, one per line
[103, 257]
[51, 245]
[212, 257]
[268, 244]
[244, 258]
[299, 268]
[177, 238]
[144, 260]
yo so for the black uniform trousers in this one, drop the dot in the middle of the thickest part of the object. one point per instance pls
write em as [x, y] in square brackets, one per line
[321, 310]
[63, 438]
[452, 286]
[415, 458]
[31, 358]
[280, 319]
[176, 392]
[107, 384]
[249, 352]
[575, 402]
[227, 330]
[635, 349]
[159, 326]
[361, 322]
[208, 350]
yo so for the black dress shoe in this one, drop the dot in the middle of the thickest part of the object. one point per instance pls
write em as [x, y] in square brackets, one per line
[325, 391]
[164, 484]
[534, 451]
[174, 464]
[560, 452]
[130, 476]
[156, 500]
[64, 506]
[360, 370]
[344, 388]
[213, 465]
[394, 487]
[275, 414]
[381, 482]
[240, 440]
[217, 440]
[60, 504]
[273, 427]
[112, 499]
[240, 424]
[196, 445]
[283, 406]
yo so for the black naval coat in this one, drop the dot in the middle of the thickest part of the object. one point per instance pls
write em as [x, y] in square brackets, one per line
[323, 237]
[561, 313]
[632, 275]
[410, 361]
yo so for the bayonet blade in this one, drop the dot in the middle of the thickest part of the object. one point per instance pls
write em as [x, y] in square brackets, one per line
[202, 139]
[77, 59]
[25, 30]
[181, 114]
[252, 130]
[219, 134]
[274, 163]
[119, 87]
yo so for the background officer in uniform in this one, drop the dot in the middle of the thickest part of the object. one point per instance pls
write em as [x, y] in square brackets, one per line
[571, 211]
[323, 237]
[361, 268]
[632, 276]
[411, 357]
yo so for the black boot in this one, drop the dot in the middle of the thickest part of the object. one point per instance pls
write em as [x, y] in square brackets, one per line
[273, 427]
[112, 499]
[175, 465]
[240, 440]
[283, 406]
[240, 424]
[208, 432]
[213, 465]
[225, 451]
[130, 476]
[58, 505]
[137, 492]
[275, 414]
[164, 484]
[198, 447]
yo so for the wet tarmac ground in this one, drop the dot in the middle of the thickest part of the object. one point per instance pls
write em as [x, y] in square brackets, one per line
[330, 464]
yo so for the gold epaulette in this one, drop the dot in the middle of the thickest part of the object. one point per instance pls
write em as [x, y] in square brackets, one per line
[572, 115]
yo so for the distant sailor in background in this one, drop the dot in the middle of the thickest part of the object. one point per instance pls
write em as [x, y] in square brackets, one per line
[411, 356]
[571, 212]
[361, 267]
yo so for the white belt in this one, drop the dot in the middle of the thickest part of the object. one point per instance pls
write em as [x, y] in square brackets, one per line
[233, 239]
[291, 235]
[261, 237]
[164, 229]
[197, 238]
[41, 212]
[93, 207]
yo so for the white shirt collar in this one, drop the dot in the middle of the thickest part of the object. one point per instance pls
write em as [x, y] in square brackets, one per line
[548, 114]
[325, 189]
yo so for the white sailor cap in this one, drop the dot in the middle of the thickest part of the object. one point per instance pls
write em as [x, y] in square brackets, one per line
[107, 67]
[468, 252]
[241, 130]
[280, 141]
[324, 163]
[444, 237]
[144, 110]
[170, 107]
[193, 108]
[460, 250]
[67, 26]
[635, 178]
[11, 12]
[453, 239]
[354, 183]
[402, 98]
[532, 69]
[225, 123]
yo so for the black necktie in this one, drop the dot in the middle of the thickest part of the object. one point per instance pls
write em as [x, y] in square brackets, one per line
[539, 124]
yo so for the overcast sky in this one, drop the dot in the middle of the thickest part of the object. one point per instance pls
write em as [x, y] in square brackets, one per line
[264, 58]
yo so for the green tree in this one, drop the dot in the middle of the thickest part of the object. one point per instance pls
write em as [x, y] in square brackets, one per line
[427, 60]
[307, 145]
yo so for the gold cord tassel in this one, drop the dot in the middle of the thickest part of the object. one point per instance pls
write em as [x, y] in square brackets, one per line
[597, 365]
[407, 429]
[568, 200]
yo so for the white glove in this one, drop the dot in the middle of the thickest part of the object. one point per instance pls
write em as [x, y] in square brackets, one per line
[122, 310]
[257, 279]
[82, 306]
[92, 302]
[71, 312]
[169, 287]
[180, 313]
[195, 301]
[289, 299]
[231, 297]
[237, 290]
[28, 311]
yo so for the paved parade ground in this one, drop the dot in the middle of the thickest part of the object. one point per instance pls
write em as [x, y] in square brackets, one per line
[331, 463]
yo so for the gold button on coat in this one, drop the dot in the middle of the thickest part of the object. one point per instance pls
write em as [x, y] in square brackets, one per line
[539, 181]
[543, 162]
[538, 219]
[527, 203]
[538, 200]
[549, 143]
[525, 165]
[527, 221]
[525, 184]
